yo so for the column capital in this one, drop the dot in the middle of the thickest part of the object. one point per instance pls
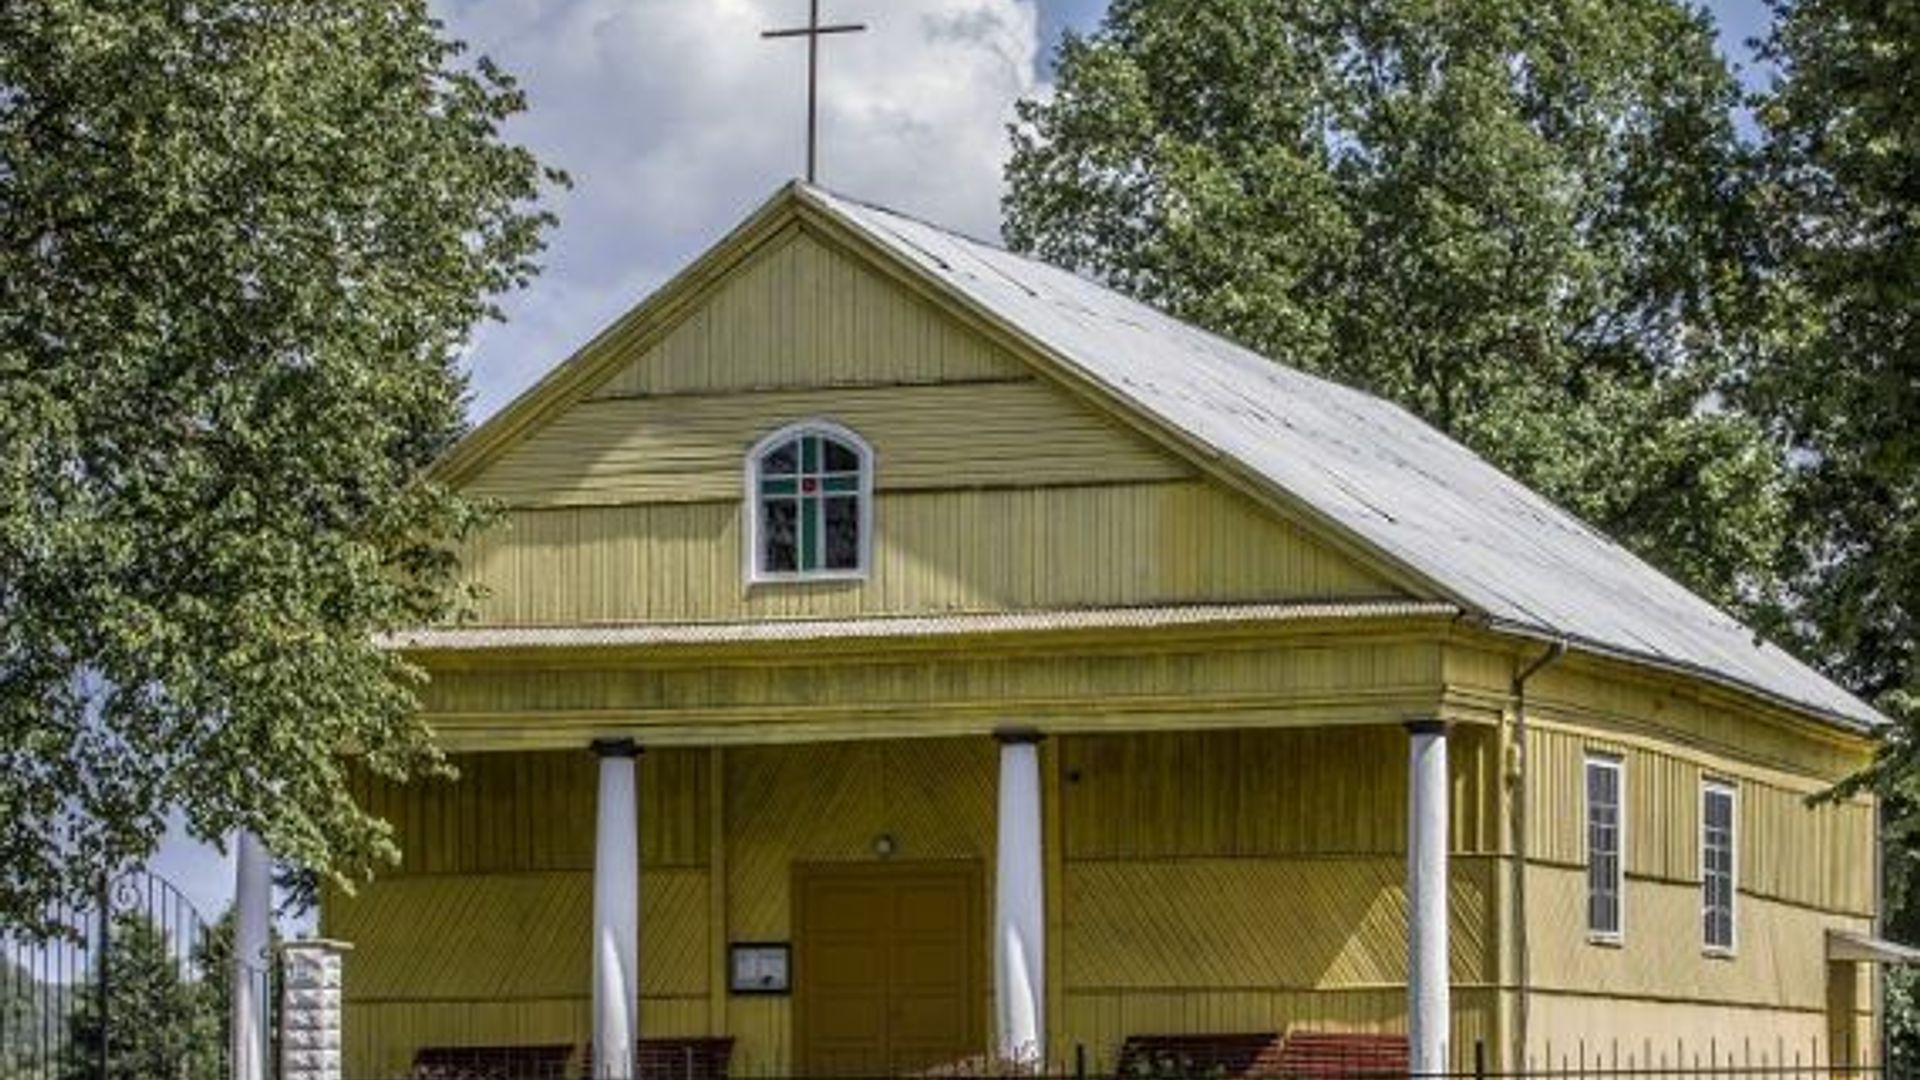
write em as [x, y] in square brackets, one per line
[1018, 736]
[615, 748]
[1427, 725]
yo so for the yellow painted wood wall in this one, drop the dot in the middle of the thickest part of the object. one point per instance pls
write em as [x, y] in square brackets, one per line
[1119, 680]
[1226, 881]
[1800, 870]
[996, 490]
[1253, 880]
[1801, 867]
[480, 936]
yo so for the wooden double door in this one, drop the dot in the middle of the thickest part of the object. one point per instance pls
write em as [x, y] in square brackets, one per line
[889, 962]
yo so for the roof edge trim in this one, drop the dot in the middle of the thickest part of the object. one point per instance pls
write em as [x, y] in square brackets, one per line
[1853, 725]
[472, 639]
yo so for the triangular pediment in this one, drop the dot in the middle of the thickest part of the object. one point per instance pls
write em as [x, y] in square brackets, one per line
[996, 487]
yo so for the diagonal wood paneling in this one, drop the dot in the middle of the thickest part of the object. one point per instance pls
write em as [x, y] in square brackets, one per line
[1260, 792]
[827, 802]
[1253, 923]
[513, 936]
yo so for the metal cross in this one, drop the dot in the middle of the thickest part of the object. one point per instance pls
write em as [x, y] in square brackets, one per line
[812, 32]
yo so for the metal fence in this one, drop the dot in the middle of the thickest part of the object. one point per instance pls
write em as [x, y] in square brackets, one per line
[1326, 1056]
[135, 985]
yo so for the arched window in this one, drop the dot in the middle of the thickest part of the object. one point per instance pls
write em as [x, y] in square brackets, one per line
[810, 503]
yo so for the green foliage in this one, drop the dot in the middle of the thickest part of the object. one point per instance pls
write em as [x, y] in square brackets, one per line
[1842, 198]
[159, 1023]
[1522, 219]
[240, 247]
[21, 1002]
[1903, 1018]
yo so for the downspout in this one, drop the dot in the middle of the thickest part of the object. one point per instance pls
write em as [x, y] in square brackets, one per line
[1523, 976]
[1879, 988]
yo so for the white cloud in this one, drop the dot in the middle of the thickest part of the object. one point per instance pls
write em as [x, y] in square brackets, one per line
[675, 118]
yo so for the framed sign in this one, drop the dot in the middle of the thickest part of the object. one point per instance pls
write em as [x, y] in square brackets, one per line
[760, 967]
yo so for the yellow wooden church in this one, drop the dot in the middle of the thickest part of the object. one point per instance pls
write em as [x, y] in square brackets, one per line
[897, 652]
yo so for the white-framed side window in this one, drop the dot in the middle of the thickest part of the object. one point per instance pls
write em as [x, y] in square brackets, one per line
[809, 504]
[1719, 847]
[1606, 819]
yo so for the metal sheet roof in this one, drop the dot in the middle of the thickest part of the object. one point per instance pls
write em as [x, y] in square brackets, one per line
[1368, 466]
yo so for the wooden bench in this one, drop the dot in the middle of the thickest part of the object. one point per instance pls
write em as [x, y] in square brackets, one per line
[1229, 1057]
[1298, 1056]
[693, 1058]
[1336, 1056]
[492, 1062]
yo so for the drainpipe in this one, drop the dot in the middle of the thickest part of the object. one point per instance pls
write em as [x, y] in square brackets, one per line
[1523, 976]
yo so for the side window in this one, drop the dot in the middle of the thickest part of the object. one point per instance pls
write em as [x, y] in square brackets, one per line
[1717, 849]
[810, 504]
[1605, 846]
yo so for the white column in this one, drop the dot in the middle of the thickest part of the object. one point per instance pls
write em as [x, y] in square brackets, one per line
[616, 912]
[252, 915]
[1428, 999]
[1019, 908]
[310, 1009]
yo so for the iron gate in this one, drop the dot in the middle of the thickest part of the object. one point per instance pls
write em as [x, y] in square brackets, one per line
[137, 985]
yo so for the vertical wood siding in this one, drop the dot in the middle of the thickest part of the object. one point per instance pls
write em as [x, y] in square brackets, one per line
[951, 551]
[1016, 433]
[1818, 856]
[1801, 869]
[995, 489]
[801, 314]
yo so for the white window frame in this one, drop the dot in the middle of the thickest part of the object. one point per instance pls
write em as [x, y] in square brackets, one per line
[750, 503]
[1708, 788]
[1616, 763]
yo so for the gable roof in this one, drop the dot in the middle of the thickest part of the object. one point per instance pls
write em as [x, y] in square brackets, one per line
[1361, 467]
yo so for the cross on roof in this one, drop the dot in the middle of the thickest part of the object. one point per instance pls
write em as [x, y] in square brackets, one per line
[813, 31]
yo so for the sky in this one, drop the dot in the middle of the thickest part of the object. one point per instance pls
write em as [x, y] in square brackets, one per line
[675, 119]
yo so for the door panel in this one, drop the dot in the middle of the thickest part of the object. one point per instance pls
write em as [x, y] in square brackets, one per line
[888, 966]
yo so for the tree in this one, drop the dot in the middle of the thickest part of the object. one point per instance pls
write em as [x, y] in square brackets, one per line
[1843, 199]
[1842, 381]
[1522, 220]
[240, 247]
[158, 1022]
[21, 997]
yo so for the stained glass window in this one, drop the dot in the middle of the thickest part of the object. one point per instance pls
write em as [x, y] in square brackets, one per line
[810, 487]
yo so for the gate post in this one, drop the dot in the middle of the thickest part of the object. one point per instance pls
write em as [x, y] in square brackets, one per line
[310, 1009]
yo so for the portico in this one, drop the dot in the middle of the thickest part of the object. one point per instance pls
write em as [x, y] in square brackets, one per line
[999, 869]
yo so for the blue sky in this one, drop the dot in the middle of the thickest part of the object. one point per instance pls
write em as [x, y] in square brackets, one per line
[675, 119]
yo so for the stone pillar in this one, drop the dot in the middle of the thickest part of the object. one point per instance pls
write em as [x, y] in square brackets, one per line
[310, 1009]
[1019, 908]
[616, 912]
[253, 914]
[1429, 1006]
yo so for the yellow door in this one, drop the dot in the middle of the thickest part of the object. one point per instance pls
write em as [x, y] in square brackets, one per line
[887, 967]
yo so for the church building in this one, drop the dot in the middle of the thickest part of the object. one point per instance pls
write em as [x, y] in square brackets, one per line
[896, 652]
